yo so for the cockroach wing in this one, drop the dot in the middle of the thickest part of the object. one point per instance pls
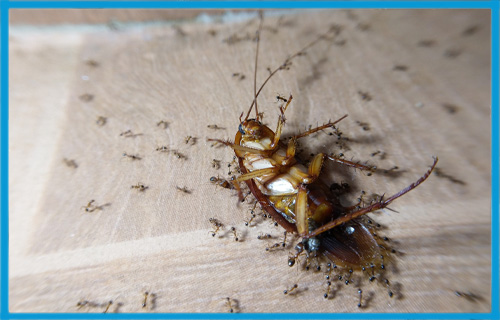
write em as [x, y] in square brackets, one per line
[351, 243]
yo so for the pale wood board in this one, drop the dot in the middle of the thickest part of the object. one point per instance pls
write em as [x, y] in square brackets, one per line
[159, 240]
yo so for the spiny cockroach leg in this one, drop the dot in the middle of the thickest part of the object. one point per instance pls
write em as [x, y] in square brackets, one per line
[376, 206]
[319, 128]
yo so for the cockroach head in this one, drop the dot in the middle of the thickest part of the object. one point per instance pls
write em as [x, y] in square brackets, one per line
[250, 127]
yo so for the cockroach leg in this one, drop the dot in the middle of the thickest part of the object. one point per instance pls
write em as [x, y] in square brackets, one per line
[319, 128]
[351, 163]
[239, 147]
[376, 206]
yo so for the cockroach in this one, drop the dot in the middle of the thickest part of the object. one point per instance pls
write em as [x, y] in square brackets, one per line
[294, 196]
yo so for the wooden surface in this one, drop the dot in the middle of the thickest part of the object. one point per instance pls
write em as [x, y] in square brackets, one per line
[63, 78]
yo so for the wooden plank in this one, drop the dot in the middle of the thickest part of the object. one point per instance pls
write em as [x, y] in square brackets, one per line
[427, 73]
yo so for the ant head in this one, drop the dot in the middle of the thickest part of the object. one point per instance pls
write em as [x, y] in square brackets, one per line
[251, 127]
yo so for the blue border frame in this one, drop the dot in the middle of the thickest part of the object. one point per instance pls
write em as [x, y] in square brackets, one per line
[5, 5]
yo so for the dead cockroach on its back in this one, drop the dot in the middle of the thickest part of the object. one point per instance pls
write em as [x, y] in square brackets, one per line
[294, 196]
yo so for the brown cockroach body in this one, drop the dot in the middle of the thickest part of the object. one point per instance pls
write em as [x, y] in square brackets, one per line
[294, 196]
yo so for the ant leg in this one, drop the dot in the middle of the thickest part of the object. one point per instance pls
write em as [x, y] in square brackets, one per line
[328, 125]
[376, 206]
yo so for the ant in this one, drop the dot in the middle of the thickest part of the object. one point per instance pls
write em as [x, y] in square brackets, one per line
[221, 182]
[70, 163]
[131, 156]
[295, 286]
[101, 121]
[183, 189]
[90, 207]
[215, 127]
[217, 225]
[140, 187]
[129, 134]
[163, 124]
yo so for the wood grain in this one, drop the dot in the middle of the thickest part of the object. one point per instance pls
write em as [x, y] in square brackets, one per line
[427, 73]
